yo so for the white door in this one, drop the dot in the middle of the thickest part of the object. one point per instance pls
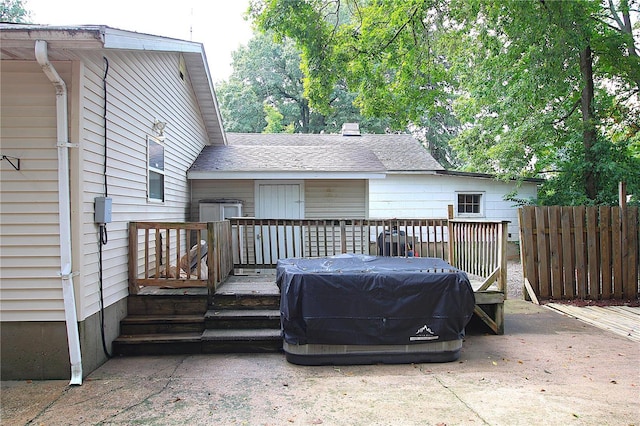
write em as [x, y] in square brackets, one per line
[278, 201]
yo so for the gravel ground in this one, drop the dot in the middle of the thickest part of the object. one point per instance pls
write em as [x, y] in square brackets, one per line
[514, 280]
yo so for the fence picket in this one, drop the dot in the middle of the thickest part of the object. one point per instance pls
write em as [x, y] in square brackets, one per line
[555, 252]
[569, 255]
[528, 245]
[605, 251]
[544, 276]
[616, 251]
[593, 289]
[630, 255]
[579, 216]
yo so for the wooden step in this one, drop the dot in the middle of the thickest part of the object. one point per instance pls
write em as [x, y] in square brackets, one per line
[158, 344]
[235, 301]
[241, 340]
[158, 324]
[167, 304]
[242, 318]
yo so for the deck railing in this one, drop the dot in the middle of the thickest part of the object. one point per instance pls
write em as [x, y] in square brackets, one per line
[203, 254]
[189, 254]
[480, 248]
[259, 243]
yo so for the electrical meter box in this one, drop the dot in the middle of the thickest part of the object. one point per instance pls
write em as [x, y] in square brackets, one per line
[103, 210]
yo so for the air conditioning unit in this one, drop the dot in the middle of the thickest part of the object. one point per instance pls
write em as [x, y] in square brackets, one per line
[216, 210]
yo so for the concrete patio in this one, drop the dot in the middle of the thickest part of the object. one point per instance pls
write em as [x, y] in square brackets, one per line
[547, 369]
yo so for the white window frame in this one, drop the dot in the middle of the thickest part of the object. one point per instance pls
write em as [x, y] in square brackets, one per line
[481, 203]
[151, 169]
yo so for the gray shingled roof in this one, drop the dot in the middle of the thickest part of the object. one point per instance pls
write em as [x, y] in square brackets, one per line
[311, 152]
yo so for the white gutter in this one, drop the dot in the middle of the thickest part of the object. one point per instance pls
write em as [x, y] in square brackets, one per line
[64, 198]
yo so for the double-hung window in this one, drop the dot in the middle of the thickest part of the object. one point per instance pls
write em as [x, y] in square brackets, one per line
[155, 169]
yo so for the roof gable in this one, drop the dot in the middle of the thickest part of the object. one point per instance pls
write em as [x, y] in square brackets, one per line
[17, 43]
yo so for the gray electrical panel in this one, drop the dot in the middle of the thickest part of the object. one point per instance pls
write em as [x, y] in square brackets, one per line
[103, 210]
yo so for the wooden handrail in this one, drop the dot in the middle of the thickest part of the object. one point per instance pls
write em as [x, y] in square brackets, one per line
[170, 254]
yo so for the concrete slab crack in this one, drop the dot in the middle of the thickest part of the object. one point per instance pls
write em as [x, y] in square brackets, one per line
[452, 392]
[148, 397]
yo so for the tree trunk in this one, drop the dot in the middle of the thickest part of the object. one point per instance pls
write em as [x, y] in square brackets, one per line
[588, 122]
[304, 115]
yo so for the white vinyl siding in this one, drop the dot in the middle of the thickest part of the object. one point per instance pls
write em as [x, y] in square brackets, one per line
[30, 288]
[427, 196]
[141, 87]
[322, 198]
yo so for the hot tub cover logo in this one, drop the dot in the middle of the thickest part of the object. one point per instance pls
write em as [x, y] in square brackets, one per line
[424, 333]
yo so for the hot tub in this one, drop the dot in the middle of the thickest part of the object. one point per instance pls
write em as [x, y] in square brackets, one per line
[357, 309]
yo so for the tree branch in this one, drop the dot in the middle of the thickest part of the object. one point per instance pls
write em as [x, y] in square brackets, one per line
[567, 115]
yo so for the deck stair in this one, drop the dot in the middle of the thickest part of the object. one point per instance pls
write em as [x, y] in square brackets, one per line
[243, 317]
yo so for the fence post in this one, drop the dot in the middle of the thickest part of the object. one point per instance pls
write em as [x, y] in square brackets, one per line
[343, 236]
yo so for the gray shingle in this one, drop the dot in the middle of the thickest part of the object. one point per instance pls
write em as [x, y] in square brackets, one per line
[312, 152]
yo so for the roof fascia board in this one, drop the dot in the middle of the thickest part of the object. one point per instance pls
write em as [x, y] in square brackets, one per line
[456, 173]
[56, 37]
[127, 40]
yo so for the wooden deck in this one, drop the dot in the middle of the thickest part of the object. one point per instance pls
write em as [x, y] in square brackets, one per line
[621, 320]
[198, 287]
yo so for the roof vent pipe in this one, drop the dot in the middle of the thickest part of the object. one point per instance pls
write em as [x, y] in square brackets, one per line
[351, 129]
[64, 197]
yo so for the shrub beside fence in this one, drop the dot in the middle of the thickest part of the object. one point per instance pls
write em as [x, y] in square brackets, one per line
[580, 252]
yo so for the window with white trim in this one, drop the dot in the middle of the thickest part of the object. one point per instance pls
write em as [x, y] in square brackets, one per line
[155, 169]
[470, 204]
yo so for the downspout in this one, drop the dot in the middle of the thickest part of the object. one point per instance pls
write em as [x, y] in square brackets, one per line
[64, 200]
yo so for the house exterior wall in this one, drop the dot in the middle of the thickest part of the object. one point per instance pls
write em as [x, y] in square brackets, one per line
[335, 199]
[415, 196]
[141, 87]
[323, 198]
[30, 288]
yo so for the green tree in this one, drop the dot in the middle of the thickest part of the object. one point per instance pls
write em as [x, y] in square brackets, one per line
[534, 84]
[268, 71]
[14, 11]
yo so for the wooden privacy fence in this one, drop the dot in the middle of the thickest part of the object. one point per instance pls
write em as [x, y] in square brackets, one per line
[179, 254]
[580, 252]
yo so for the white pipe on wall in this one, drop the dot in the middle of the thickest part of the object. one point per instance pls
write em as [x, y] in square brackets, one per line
[64, 197]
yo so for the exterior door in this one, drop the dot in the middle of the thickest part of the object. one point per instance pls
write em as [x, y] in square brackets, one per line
[278, 201]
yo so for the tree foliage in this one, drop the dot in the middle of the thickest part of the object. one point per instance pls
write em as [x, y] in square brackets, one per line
[267, 71]
[14, 11]
[533, 87]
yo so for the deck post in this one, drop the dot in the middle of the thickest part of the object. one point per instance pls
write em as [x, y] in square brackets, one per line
[133, 258]
[212, 272]
[503, 234]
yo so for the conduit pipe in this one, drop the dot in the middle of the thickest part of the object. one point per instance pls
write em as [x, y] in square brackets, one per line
[64, 199]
